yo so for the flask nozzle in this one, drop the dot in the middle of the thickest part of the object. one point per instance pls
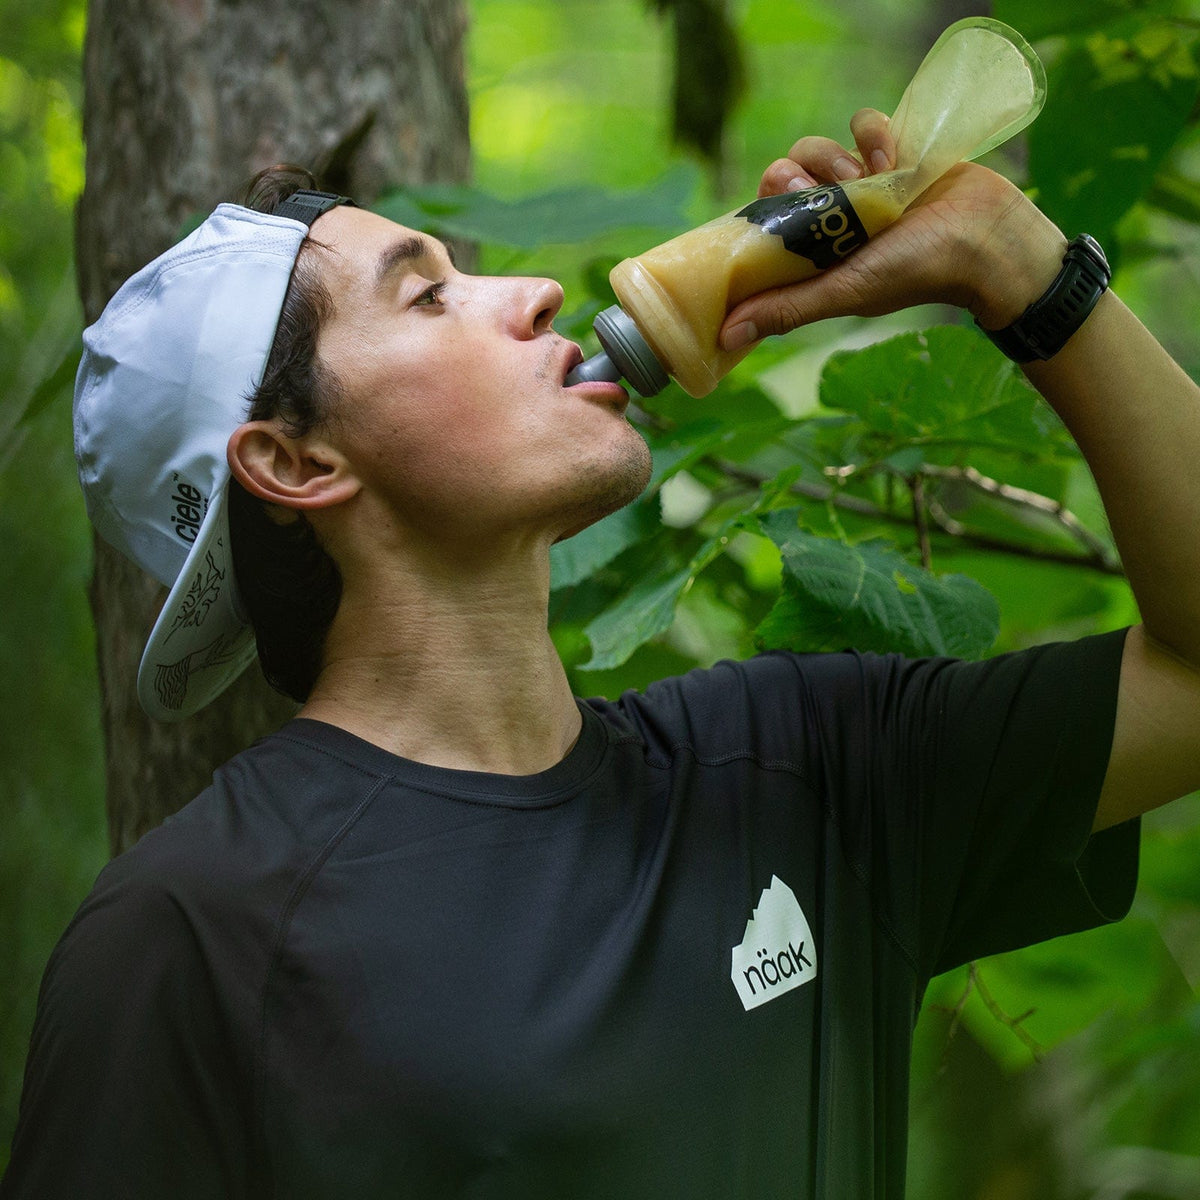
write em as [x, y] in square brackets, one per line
[599, 366]
[625, 355]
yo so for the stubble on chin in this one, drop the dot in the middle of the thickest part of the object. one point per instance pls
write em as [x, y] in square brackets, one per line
[604, 488]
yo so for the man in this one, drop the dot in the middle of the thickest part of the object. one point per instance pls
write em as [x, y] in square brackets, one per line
[453, 932]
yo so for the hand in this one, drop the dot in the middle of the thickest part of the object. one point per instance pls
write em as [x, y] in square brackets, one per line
[972, 239]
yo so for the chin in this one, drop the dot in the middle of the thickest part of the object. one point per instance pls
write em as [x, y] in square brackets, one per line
[616, 487]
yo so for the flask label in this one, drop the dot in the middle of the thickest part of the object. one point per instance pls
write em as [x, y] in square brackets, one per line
[819, 223]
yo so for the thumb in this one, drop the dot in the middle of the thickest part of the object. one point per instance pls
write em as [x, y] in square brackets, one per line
[780, 310]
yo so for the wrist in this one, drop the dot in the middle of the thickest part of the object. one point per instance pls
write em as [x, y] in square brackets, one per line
[1015, 268]
[1046, 326]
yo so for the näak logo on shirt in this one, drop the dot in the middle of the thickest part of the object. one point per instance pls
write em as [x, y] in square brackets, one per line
[777, 952]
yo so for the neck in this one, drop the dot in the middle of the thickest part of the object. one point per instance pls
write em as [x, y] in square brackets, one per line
[450, 663]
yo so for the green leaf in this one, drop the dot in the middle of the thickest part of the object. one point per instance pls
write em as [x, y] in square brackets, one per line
[1089, 172]
[868, 597]
[649, 607]
[1068, 983]
[642, 613]
[43, 369]
[733, 406]
[942, 385]
[1036, 19]
[50, 388]
[682, 448]
[1175, 194]
[544, 218]
[578, 557]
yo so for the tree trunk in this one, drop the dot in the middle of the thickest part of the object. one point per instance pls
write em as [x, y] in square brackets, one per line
[183, 101]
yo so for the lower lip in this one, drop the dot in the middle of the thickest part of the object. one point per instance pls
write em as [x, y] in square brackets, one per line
[601, 389]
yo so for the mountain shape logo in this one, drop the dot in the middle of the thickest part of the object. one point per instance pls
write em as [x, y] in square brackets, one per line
[777, 952]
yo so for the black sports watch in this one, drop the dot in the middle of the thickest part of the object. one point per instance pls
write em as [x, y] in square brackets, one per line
[1043, 328]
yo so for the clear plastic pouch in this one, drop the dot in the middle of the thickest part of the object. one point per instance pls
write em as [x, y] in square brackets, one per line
[980, 83]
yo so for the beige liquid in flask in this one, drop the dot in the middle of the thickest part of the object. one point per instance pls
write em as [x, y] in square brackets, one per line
[979, 84]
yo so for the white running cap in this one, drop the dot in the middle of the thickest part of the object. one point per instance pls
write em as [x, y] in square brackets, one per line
[166, 377]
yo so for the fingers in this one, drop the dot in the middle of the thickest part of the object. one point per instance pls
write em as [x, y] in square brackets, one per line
[897, 268]
[873, 136]
[816, 160]
[784, 175]
[784, 309]
[812, 160]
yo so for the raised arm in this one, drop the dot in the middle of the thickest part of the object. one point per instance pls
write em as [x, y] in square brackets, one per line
[974, 240]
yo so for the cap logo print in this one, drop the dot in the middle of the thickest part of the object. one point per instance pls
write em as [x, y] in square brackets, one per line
[163, 381]
[171, 679]
[189, 508]
[777, 952]
[203, 592]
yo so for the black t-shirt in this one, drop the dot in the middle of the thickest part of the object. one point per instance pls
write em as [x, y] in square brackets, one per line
[684, 962]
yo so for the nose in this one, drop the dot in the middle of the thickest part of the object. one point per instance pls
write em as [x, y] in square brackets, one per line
[539, 303]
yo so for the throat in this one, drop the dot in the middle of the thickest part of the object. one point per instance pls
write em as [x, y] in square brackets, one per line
[480, 716]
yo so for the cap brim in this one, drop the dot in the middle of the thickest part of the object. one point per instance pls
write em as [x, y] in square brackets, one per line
[200, 643]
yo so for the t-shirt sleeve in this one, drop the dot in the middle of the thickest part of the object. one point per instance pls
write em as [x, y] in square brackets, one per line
[965, 792]
[129, 1082]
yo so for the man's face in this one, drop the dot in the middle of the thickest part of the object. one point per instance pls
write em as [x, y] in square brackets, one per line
[454, 412]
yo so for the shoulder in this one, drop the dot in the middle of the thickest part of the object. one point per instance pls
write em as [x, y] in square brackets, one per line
[862, 702]
[267, 808]
[220, 869]
[767, 706]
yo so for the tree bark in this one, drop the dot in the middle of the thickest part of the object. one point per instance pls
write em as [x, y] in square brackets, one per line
[183, 101]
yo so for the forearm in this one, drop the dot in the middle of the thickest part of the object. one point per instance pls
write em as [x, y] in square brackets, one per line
[1136, 416]
[1133, 412]
[973, 239]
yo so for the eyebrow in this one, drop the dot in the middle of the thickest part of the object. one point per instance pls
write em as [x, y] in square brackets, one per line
[405, 252]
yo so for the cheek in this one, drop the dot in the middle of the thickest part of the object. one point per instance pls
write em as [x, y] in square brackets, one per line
[441, 414]
[445, 440]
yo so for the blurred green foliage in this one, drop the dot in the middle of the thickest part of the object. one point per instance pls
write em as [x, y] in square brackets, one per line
[51, 777]
[1068, 1070]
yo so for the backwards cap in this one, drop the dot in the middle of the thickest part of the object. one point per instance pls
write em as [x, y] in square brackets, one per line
[166, 376]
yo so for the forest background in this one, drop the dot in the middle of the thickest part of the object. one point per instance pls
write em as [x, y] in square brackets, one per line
[1069, 1070]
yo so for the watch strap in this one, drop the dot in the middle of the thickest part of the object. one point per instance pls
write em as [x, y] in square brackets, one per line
[1044, 327]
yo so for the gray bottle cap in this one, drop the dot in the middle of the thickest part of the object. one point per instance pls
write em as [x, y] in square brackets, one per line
[625, 352]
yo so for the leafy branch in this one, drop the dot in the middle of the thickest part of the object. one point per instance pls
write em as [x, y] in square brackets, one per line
[1098, 553]
[1097, 557]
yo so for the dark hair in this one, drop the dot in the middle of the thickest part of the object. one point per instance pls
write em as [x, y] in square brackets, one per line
[291, 587]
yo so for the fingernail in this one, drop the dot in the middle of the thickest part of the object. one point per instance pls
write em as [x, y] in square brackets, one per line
[846, 168]
[879, 160]
[798, 183]
[740, 335]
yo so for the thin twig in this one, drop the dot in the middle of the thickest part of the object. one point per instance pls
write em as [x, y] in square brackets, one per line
[1023, 498]
[946, 523]
[917, 484]
[1013, 1023]
[975, 983]
[1098, 557]
[1095, 562]
[956, 1015]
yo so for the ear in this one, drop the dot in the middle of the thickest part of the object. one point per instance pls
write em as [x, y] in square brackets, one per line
[298, 473]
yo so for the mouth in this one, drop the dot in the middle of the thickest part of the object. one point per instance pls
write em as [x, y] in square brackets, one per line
[572, 357]
[605, 391]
